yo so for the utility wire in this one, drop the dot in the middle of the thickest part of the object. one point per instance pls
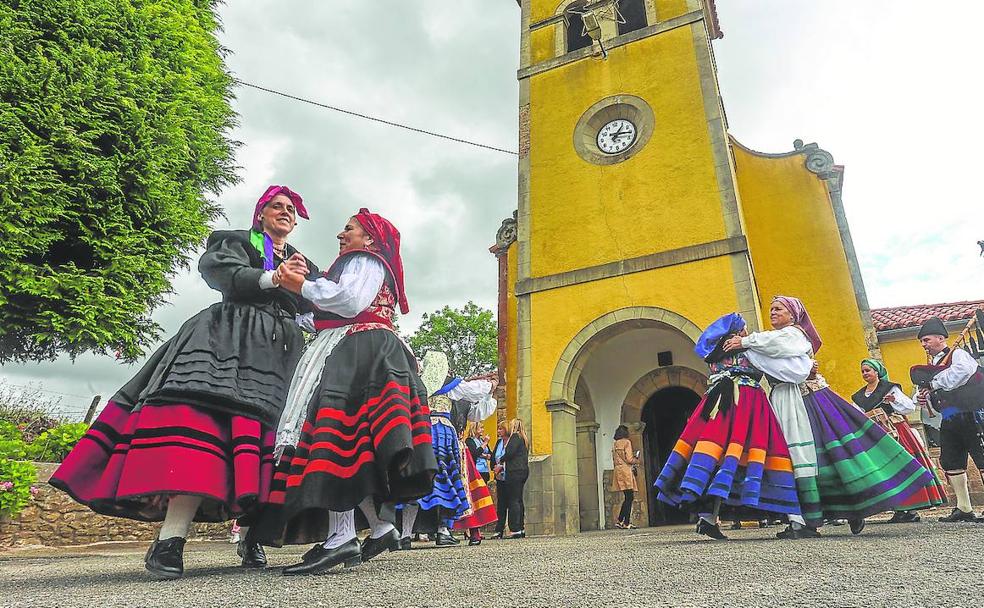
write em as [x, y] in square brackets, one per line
[374, 119]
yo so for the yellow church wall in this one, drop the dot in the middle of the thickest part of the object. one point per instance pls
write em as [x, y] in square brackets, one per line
[670, 184]
[695, 291]
[796, 250]
[543, 43]
[898, 356]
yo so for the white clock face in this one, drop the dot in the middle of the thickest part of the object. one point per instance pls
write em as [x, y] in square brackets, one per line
[616, 136]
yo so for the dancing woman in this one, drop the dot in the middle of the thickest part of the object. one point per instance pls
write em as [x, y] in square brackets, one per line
[732, 449]
[356, 430]
[191, 436]
[845, 464]
[884, 402]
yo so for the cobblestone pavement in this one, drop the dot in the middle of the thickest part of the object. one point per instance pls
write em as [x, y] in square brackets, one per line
[888, 565]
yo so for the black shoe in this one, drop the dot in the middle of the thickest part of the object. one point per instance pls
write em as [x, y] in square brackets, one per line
[313, 552]
[904, 517]
[406, 544]
[791, 533]
[165, 558]
[349, 554]
[735, 525]
[710, 530]
[445, 540]
[252, 553]
[497, 535]
[958, 515]
[520, 534]
[472, 542]
[372, 547]
[857, 525]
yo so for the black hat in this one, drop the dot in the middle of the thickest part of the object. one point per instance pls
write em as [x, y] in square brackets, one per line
[933, 327]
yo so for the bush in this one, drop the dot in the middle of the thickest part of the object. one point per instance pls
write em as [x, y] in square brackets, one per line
[55, 444]
[113, 123]
[29, 409]
[16, 485]
[12, 444]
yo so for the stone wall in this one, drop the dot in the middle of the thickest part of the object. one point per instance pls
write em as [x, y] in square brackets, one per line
[613, 504]
[54, 519]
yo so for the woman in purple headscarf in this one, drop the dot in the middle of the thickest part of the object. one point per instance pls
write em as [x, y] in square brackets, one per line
[845, 464]
[191, 436]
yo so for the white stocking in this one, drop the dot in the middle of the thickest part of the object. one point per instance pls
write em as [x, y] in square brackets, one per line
[344, 529]
[409, 518]
[181, 511]
[379, 527]
[959, 482]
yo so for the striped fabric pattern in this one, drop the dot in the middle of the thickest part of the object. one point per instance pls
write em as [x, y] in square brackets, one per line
[932, 495]
[449, 491]
[129, 462]
[740, 457]
[861, 469]
[482, 508]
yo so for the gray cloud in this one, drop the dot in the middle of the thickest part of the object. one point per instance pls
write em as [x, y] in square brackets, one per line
[892, 99]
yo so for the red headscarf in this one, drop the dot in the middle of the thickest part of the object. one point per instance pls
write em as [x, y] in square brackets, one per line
[801, 319]
[273, 191]
[386, 239]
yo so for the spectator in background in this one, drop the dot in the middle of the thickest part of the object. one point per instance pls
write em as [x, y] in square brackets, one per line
[623, 475]
[502, 491]
[478, 445]
[515, 464]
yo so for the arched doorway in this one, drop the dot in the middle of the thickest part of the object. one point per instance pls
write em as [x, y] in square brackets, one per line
[665, 415]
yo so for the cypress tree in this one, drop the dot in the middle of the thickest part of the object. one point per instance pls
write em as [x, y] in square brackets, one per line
[114, 123]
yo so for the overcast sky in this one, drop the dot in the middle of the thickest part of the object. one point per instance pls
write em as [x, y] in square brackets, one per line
[887, 87]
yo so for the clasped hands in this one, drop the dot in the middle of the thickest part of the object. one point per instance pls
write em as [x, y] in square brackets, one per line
[291, 273]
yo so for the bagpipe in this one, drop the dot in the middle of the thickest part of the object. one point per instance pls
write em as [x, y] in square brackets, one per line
[968, 397]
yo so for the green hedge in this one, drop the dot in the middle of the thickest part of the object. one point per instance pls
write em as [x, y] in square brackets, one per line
[114, 117]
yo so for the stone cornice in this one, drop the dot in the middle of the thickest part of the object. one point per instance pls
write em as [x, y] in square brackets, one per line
[659, 259]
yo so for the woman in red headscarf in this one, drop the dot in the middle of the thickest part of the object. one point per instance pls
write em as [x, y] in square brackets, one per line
[356, 430]
[191, 436]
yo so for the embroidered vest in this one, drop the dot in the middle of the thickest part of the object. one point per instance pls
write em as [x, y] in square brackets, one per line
[378, 315]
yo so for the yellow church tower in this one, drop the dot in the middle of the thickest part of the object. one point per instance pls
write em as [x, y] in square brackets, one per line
[640, 221]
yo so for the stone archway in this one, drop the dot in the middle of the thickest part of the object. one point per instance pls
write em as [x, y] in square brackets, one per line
[572, 361]
[632, 407]
[575, 436]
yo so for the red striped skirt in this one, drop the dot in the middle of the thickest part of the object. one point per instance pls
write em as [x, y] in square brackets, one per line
[479, 499]
[933, 494]
[130, 462]
[367, 434]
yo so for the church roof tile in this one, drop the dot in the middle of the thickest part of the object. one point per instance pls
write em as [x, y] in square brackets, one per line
[901, 317]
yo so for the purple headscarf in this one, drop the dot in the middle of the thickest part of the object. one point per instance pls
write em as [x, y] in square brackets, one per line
[273, 191]
[801, 319]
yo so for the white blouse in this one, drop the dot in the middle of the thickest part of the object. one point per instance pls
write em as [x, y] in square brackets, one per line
[362, 276]
[783, 354]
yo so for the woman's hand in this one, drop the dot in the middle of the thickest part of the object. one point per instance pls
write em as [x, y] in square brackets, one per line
[297, 264]
[889, 398]
[291, 281]
[732, 344]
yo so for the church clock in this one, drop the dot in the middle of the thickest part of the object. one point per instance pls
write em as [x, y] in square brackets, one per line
[617, 135]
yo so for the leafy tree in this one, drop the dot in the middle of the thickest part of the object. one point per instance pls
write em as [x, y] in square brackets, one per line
[114, 117]
[469, 337]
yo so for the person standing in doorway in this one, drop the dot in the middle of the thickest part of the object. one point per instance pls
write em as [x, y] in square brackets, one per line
[623, 475]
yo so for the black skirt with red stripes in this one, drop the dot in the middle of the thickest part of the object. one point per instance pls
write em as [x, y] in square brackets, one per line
[367, 434]
[131, 461]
